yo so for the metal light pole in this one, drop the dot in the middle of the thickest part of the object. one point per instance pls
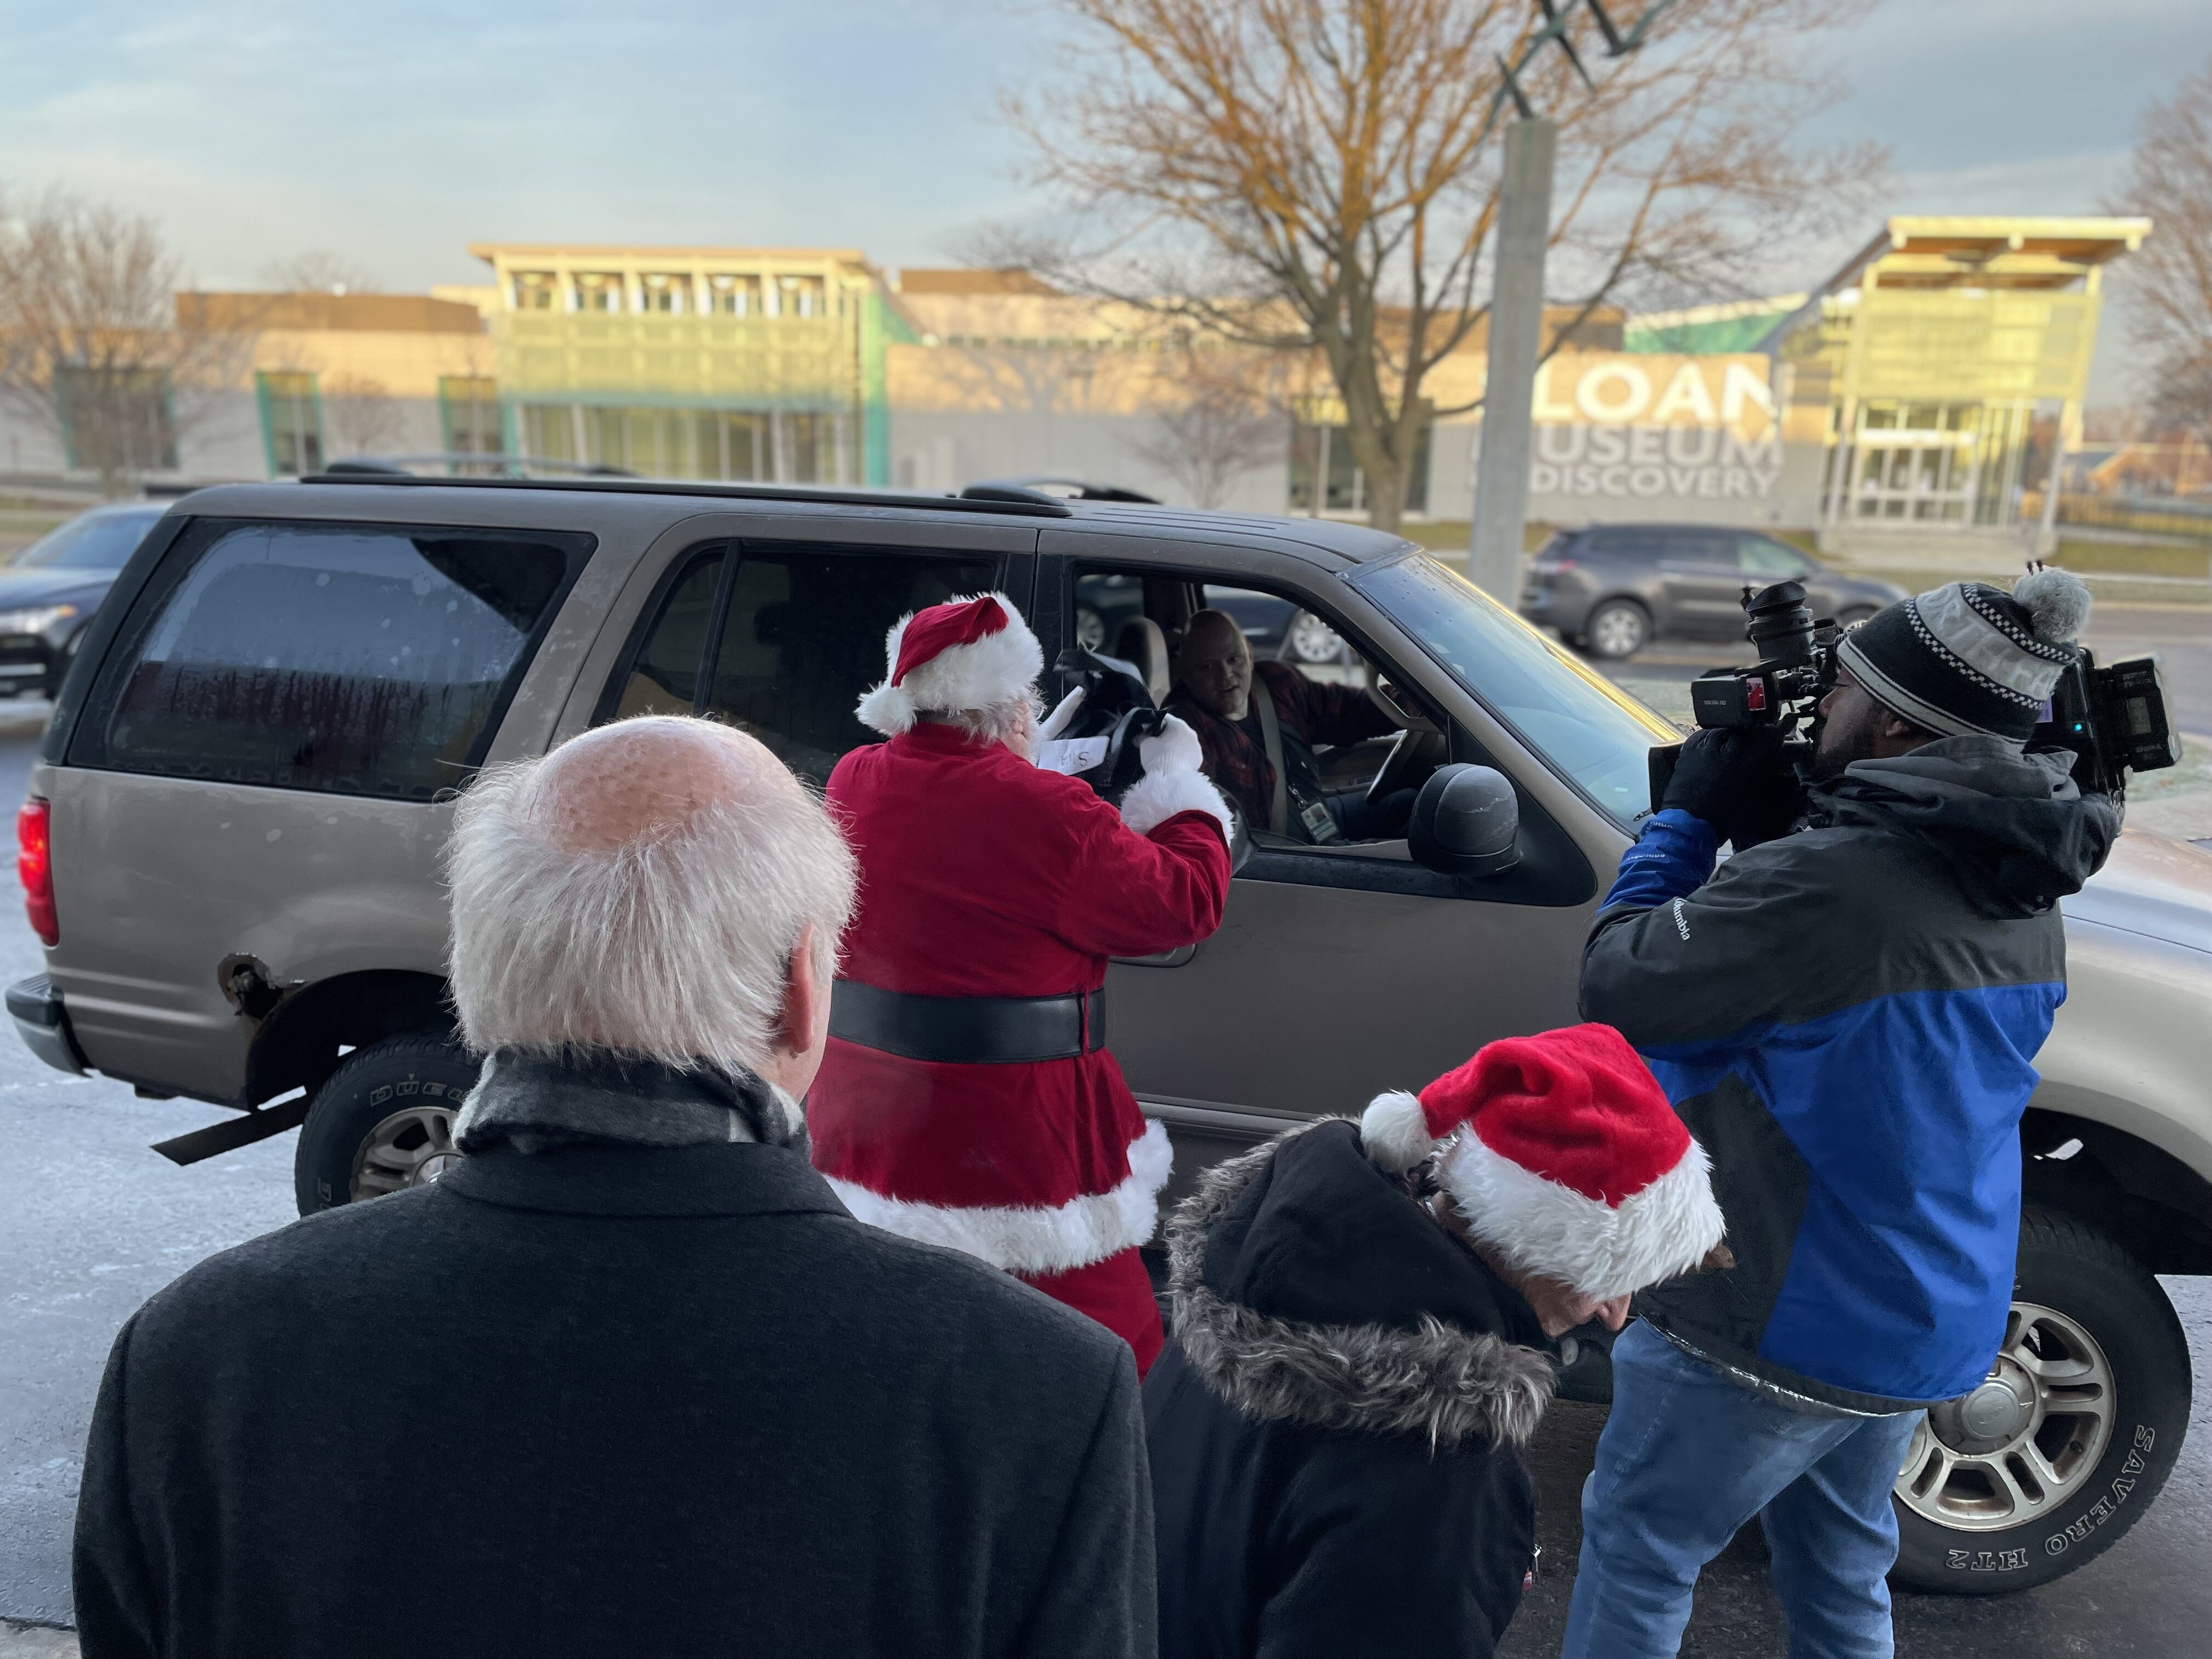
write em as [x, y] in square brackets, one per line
[1516, 331]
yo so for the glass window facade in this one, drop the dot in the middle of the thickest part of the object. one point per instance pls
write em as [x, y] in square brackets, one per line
[771, 446]
[1324, 453]
[291, 423]
[468, 408]
[728, 294]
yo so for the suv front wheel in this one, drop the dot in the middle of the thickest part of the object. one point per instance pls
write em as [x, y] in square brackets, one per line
[2064, 1447]
[383, 1123]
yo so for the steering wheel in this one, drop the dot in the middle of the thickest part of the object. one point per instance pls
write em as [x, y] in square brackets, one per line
[1405, 758]
[1405, 754]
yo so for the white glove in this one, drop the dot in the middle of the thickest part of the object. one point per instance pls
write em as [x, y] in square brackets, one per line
[1172, 782]
[1175, 750]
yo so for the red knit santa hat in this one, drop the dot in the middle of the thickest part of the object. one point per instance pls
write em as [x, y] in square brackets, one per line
[1565, 1158]
[966, 653]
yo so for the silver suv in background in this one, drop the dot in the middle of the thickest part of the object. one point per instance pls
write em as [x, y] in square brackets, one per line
[231, 851]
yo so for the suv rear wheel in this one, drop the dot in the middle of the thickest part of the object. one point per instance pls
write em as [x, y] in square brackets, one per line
[383, 1123]
[2045, 1465]
[1617, 628]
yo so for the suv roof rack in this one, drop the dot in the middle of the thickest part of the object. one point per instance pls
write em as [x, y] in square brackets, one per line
[1024, 503]
[1056, 489]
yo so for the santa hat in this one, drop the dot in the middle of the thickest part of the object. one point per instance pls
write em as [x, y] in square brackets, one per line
[1565, 1158]
[965, 654]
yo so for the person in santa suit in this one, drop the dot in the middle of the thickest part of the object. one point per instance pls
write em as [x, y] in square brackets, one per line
[967, 1099]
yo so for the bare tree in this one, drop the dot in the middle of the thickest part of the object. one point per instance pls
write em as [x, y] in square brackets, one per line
[1319, 174]
[360, 416]
[2169, 178]
[320, 271]
[1224, 416]
[93, 344]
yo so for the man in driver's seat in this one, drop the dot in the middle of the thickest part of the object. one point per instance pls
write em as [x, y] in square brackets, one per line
[1259, 725]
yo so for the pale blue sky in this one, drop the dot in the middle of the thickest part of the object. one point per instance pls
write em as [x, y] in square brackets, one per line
[399, 133]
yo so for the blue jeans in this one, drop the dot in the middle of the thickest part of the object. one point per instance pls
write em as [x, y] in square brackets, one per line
[1687, 1457]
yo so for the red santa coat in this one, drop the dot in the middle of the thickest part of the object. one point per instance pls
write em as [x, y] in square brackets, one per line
[981, 876]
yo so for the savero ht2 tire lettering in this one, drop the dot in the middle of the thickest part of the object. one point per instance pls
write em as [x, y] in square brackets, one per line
[2064, 1447]
[382, 1123]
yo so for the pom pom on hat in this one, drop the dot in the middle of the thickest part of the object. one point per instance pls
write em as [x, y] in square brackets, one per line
[1565, 1157]
[966, 653]
[2057, 602]
[1395, 1131]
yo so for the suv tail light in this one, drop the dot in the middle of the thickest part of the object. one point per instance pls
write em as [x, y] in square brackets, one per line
[35, 863]
[1546, 564]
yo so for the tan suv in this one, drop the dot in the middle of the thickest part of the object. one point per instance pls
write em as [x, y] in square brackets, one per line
[232, 852]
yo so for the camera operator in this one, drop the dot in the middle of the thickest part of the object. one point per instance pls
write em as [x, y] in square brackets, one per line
[1845, 1017]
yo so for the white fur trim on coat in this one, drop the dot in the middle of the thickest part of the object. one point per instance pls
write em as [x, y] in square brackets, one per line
[995, 669]
[1034, 1240]
[1395, 1131]
[1155, 797]
[1603, 1250]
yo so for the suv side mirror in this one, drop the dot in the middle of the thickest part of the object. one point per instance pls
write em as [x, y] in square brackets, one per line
[1465, 822]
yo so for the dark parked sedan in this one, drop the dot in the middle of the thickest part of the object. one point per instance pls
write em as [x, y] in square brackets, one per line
[51, 589]
[1611, 589]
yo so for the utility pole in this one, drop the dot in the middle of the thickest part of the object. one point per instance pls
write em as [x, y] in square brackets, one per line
[1516, 333]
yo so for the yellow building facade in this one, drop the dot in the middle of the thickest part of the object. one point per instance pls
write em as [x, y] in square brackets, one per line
[1899, 394]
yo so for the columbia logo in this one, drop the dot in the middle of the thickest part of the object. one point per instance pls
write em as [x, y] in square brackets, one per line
[1681, 922]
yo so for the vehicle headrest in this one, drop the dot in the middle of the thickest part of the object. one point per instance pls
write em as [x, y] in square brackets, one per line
[1141, 643]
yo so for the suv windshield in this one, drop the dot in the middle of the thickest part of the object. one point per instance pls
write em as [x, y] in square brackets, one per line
[98, 541]
[1587, 727]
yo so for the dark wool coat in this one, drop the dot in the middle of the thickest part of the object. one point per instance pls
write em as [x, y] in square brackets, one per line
[606, 1400]
[1336, 1427]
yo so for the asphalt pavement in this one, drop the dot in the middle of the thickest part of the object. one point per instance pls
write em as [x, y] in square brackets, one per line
[92, 1222]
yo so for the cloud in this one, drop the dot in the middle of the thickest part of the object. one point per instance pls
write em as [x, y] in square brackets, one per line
[254, 128]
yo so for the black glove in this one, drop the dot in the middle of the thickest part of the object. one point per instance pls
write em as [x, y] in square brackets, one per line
[1738, 780]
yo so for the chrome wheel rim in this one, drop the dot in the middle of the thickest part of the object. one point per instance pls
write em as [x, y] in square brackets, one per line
[2025, 1443]
[410, 1148]
[1616, 632]
[1313, 640]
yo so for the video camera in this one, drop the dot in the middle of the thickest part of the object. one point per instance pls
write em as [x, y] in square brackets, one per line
[2113, 718]
[1796, 668]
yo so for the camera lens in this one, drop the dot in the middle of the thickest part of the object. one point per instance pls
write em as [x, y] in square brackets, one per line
[1779, 625]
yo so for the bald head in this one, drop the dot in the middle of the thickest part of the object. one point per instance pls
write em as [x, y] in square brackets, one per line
[1216, 664]
[661, 887]
[645, 779]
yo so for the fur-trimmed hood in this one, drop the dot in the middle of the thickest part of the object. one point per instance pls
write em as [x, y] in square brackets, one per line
[1307, 1287]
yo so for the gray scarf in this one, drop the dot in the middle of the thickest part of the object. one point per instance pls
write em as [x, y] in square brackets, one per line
[535, 1101]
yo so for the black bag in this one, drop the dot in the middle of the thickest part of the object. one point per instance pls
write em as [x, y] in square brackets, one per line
[1117, 707]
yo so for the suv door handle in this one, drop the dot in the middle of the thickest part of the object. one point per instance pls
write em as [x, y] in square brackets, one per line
[1174, 958]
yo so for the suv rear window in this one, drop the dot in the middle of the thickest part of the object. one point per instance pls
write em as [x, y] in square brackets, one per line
[352, 659]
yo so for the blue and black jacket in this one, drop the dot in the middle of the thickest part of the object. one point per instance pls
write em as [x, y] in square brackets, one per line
[1847, 1019]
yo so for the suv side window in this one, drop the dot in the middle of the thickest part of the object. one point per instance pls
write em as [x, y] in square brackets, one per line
[799, 638]
[1772, 560]
[665, 678]
[352, 659]
[1334, 735]
[1699, 546]
[1628, 542]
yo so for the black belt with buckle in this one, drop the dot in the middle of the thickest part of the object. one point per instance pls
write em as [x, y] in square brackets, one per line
[968, 1030]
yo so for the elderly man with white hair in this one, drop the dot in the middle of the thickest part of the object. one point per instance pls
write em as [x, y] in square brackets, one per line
[630, 1379]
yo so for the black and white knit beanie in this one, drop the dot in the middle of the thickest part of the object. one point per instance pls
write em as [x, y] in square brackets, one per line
[1969, 658]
